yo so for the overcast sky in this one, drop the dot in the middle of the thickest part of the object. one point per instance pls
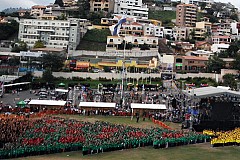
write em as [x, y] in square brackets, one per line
[28, 3]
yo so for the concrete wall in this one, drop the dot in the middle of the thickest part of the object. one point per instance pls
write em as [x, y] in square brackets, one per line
[128, 75]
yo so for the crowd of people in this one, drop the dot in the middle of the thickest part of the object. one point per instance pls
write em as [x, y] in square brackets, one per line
[52, 135]
[224, 138]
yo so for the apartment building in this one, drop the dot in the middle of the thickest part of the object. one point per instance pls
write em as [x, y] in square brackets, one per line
[37, 10]
[63, 34]
[186, 15]
[132, 8]
[114, 43]
[101, 5]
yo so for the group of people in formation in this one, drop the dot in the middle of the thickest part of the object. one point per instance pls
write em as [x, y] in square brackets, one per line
[53, 134]
[224, 138]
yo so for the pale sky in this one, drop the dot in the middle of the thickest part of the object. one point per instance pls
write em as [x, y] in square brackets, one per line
[28, 3]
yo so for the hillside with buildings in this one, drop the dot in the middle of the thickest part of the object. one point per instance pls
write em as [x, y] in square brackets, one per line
[190, 36]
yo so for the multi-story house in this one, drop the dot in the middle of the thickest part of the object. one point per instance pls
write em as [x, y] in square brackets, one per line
[190, 63]
[68, 3]
[221, 29]
[180, 33]
[152, 30]
[54, 33]
[186, 15]
[101, 5]
[203, 30]
[217, 48]
[55, 10]
[37, 10]
[221, 39]
[131, 8]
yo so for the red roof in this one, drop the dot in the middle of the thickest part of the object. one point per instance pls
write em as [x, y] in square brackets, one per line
[135, 23]
[195, 58]
[38, 6]
[221, 37]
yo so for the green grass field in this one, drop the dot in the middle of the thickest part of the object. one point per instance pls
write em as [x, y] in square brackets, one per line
[190, 152]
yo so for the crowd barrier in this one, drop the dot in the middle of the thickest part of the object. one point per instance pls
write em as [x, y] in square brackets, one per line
[161, 124]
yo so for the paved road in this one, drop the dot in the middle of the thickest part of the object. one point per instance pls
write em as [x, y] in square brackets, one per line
[12, 99]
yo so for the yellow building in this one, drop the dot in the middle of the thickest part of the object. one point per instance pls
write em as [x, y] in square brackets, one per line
[202, 29]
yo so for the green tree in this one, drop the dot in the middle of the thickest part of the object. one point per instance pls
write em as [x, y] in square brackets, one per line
[47, 75]
[8, 29]
[84, 8]
[229, 80]
[39, 44]
[215, 64]
[14, 61]
[53, 61]
[62, 17]
[59, 2]
[20, 46]
[236, 63]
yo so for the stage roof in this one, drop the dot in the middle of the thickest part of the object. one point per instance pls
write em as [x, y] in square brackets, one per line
[97, 104]
[47, 102]
[209, 91]
[148, 106]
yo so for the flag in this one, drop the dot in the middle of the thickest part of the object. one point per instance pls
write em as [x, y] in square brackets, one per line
[118, 25]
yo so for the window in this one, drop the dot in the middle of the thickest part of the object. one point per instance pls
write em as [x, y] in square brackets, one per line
[111, 40]
[178, 60]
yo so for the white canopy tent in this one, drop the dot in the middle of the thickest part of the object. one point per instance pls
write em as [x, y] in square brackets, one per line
[97, 105]
[47, 102]
[141, 107]
[61, 90]
[148, 106]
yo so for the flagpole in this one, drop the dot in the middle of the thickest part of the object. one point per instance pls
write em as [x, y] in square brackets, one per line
[123, 69]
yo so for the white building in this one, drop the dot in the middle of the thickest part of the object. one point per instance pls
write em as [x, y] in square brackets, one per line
[152, 30]
[200, 53]
[235, 28]
[54, 33]
[113, 42]
[140, 28]
[133, 8]
[219, 47]
[197, 1]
